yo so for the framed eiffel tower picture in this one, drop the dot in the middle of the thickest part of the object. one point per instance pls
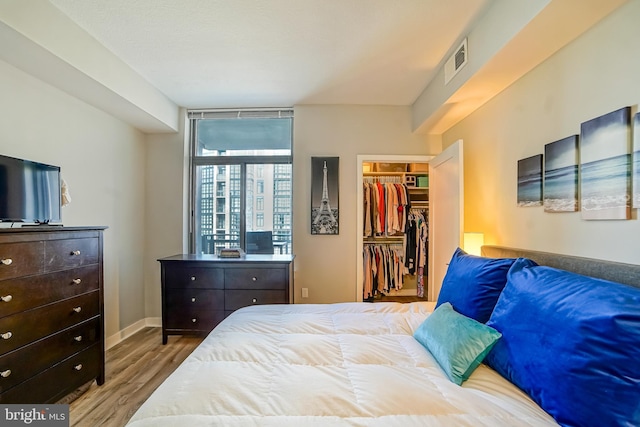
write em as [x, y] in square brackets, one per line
[325, 210]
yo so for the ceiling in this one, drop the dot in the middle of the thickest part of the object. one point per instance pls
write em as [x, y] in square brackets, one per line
[253, 53]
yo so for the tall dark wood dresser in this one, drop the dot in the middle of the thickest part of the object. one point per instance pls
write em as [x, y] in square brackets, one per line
[51, 312]
[199, 291]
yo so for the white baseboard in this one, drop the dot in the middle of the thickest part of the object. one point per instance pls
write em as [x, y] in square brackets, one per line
[148, 322]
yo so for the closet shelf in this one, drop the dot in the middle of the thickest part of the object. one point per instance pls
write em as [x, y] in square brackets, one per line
[384, 173]
[395, 173]
[383, 239]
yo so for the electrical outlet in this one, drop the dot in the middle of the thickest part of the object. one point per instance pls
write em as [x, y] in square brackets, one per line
[305, 292]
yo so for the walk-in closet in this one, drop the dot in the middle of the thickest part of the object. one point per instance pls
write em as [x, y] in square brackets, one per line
[435, 189]
[395, 229]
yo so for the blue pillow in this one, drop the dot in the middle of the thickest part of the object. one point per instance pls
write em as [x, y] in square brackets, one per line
[473, 284]
[458, 343]
[572, 343]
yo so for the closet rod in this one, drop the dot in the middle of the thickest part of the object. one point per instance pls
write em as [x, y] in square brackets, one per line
[383, 179]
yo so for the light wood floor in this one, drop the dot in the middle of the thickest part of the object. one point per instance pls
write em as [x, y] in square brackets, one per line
[134, 369]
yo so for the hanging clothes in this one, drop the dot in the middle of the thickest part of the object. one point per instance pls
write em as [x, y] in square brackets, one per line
[416, 245]
[384, 269]
[388, 213]
[385, 206]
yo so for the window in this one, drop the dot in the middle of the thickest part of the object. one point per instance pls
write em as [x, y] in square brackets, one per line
[241, 177]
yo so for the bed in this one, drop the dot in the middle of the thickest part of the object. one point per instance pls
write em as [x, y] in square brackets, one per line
[364, 364]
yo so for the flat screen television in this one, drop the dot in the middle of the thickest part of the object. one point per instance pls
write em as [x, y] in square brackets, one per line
[29, 192]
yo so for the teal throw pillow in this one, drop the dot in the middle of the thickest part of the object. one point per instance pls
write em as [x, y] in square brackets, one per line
[458, 343]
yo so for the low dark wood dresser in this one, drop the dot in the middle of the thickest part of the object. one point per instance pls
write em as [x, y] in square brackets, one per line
[199, 291]
[51, 312]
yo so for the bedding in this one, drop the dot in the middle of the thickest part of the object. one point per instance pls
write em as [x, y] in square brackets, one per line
[348, 364]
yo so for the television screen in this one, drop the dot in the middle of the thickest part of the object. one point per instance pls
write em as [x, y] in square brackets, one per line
[29, 191]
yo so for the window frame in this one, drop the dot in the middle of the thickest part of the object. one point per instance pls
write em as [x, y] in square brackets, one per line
[229, 161]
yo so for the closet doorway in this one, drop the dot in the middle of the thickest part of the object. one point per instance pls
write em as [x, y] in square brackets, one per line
[404, 170]
[445, 214]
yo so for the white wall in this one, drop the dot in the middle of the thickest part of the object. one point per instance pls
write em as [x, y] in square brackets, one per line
[596, 74]
[103, 161]
[167, 187]
[326, 265]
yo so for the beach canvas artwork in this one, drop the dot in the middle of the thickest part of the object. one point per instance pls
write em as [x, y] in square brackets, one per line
[561, 175]
[530, 181]
[605, 166]
[636, 161]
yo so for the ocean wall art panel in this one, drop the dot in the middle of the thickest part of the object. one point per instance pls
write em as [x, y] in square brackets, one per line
[605, 166]
[636, 161]
[561, 175]
[530, 181]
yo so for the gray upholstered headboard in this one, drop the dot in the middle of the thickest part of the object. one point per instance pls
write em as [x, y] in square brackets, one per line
[608, 270]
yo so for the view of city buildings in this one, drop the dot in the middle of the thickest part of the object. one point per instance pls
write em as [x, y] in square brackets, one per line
[267, 205]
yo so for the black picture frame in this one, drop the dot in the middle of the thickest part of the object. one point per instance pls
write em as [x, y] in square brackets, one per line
[325, 197]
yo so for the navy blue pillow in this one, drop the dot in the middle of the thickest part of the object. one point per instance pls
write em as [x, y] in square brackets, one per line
[572, 343]
[473, 284]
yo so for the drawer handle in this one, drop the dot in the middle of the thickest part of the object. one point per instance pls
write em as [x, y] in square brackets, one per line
[6, 298]
[254, 300]
[5, 374]
[77, 309]
[193, 300]
[77, 281]
[76, 252]
[254, 279]
[7, 261]
[6, 335]
[194, 320]
[78, 338]
[78, 367]
[193, 278]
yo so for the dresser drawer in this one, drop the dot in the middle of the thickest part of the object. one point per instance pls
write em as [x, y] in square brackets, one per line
[20, 259]
[22, 328]
[20, 365]
[255, 278]
[70, 253]
[192, 319]
[52, 384]
[236, 299]
[185, 276]
[194, 299]
[25, 293]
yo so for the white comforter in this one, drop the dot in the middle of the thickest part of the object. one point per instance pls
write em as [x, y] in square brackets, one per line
[352, 364]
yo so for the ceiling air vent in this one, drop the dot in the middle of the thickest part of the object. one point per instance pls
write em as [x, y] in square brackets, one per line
[456, 62]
